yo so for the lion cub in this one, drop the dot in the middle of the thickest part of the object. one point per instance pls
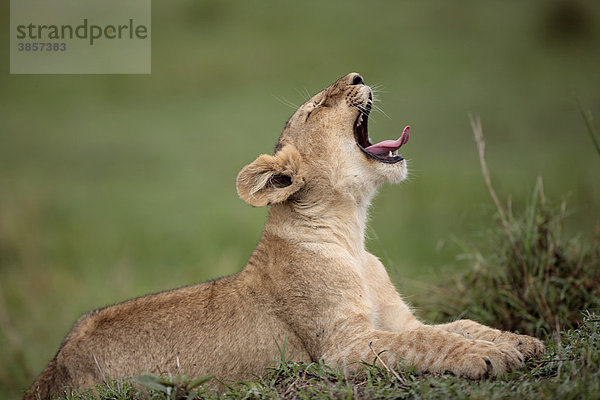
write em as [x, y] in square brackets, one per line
[310, 281]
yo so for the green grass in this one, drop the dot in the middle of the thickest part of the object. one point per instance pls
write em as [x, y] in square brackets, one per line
[112, 187]
[570, 369]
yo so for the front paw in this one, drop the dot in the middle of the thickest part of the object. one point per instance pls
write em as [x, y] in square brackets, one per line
[483, 358]
[529, 346]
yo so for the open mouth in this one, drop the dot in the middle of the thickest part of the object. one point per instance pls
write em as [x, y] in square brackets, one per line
[385, 151]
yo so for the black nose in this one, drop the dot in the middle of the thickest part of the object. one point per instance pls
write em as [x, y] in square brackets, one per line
[358, 80]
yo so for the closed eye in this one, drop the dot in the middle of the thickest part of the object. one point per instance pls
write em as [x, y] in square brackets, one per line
[315, 108]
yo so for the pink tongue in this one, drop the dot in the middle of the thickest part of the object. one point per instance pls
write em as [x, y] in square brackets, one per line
[384, 148]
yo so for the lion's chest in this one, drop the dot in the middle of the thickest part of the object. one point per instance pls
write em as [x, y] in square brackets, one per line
[346, 277]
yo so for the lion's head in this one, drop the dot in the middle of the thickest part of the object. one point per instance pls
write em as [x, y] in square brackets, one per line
[325, 149]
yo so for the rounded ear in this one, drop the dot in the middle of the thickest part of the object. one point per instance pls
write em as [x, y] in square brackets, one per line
[271, 179]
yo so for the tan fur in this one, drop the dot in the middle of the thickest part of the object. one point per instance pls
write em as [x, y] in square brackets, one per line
[310, 282]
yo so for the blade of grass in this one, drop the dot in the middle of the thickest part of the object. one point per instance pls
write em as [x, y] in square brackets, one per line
[588, 120]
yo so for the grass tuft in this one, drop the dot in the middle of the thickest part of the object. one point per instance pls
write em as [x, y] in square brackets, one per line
[525, 276]
[533, 282]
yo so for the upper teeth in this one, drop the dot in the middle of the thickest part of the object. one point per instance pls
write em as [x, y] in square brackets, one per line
[359, 120]
[393, 153]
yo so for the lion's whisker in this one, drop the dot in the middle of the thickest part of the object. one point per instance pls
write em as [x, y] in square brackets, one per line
[376, 107]
[286, 102]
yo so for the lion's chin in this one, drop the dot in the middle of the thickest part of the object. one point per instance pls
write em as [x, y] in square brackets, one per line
[396, 173]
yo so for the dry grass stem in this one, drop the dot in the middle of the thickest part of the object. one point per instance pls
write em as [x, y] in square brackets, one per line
[479, 140]
[400, 379]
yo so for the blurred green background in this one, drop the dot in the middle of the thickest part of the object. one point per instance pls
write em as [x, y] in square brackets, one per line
[116, 186]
